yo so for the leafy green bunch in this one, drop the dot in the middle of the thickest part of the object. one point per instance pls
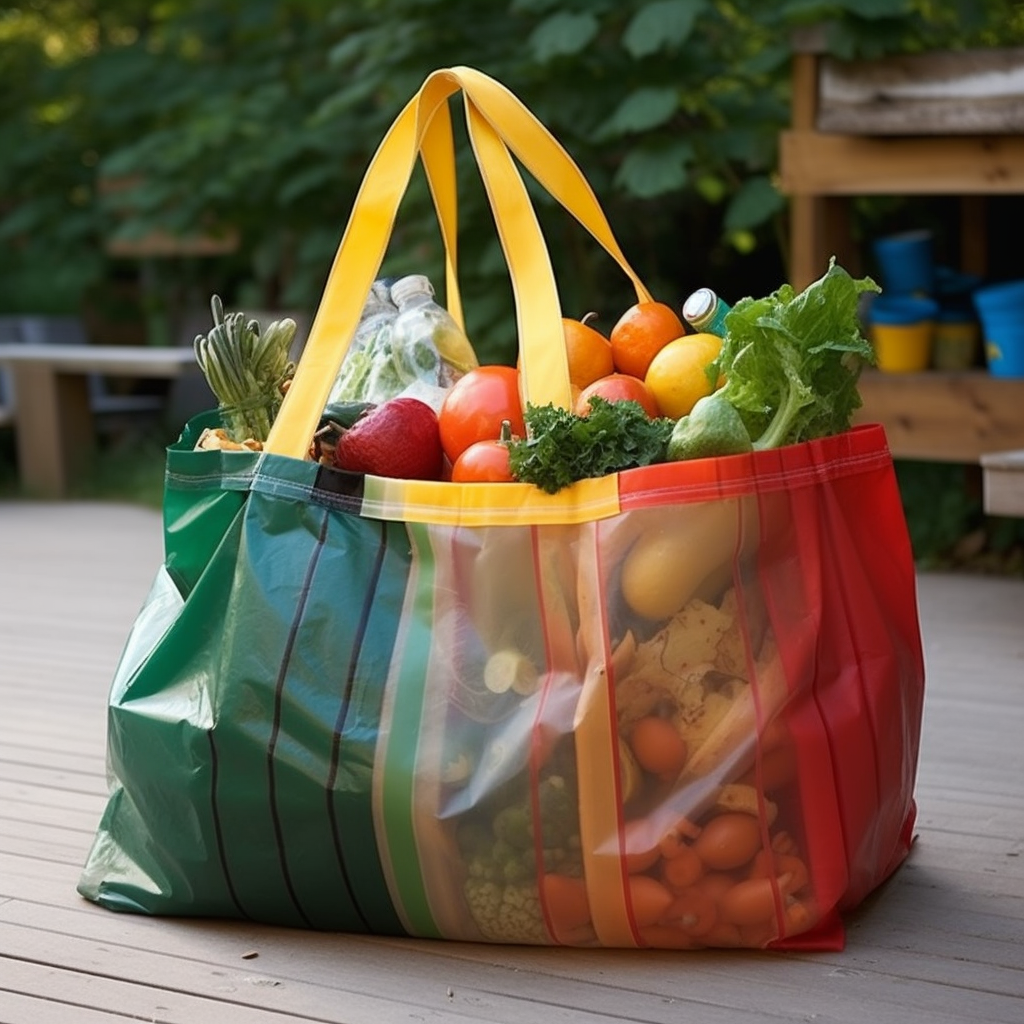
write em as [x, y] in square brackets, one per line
[791, 360]
[562, 447]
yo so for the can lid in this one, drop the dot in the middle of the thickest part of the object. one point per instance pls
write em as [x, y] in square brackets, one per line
[699, 305]
[407, 287]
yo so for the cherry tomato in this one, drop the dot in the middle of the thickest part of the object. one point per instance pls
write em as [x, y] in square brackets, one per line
[477, 405]
[483, 462]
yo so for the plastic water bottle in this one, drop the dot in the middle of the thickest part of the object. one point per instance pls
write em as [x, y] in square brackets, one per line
[704, 311]
[358, 378]
[428, 345]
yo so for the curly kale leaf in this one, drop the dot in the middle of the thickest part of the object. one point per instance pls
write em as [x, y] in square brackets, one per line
[561, 447]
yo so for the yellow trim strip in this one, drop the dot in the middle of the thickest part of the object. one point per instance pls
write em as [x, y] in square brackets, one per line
[597, 761]
[482, 504]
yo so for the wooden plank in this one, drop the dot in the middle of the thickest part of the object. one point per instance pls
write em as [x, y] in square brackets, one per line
[938, 93]
[110, 360]
[849, 165]
[45, 842]
[69, 990]
[939, 942]
[1003, 482]
[19, 1008]
[945, 416]
[557, 984]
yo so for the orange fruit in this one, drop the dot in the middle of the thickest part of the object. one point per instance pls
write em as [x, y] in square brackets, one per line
[677, 377]
[617, 387]
[588, 351]
[641, 333]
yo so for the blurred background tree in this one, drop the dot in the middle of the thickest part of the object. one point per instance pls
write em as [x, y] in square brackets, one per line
[256, 119]
[251, 122]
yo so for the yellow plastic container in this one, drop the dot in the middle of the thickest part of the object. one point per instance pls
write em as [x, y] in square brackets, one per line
[903, 348]
[955, 344]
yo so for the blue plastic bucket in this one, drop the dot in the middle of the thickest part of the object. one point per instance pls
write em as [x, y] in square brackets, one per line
[1001, 310]
[902, 309]
[906, 263]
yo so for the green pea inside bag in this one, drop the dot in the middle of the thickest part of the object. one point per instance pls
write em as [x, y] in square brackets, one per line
[405, 344]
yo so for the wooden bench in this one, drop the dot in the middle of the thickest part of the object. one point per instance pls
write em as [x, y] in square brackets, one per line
[52, 414]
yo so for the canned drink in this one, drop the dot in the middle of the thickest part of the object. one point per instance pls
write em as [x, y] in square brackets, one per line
[704, 311]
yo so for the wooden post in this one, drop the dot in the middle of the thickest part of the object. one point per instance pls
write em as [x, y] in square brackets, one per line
[819, 225]
[54, 432]
[973, 235]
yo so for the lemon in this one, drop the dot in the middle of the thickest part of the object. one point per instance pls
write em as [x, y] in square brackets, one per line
[677, 375]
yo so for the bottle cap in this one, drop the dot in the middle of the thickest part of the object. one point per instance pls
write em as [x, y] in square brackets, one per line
[375, 304]
[697, 307]
[407, 287]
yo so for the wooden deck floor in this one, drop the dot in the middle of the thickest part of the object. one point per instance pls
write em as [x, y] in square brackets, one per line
[942, 942]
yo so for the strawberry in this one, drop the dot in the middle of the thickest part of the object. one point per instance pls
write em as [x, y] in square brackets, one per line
[398, 438]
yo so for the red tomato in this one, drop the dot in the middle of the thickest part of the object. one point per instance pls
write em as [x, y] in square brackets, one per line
[618, 387]
[476, 406]
[483, 462]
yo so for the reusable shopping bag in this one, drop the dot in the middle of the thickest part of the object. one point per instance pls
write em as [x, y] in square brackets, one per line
[676, 706]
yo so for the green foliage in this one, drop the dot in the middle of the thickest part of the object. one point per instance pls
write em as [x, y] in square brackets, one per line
[260, 116]
[948, 529]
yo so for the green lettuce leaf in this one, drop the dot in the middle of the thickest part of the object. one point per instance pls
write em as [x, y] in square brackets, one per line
[791, 360]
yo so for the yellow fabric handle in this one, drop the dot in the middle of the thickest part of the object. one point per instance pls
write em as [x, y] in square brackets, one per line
[437, 152]
[355, 266]
[424, 128]
[546, 159]
[543, 370]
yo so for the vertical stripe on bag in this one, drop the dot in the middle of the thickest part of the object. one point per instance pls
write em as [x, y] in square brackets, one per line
[395, 764]
[275, 728]
[218, 830]
[343, 709]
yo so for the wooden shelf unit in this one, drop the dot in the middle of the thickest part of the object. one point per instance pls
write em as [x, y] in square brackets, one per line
[921, 124]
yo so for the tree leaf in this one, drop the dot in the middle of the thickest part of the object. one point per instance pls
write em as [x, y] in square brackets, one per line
[868, 9]
[640, 111]
[662, 25]
[756, 201]
[562, 35]
[652, 171]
